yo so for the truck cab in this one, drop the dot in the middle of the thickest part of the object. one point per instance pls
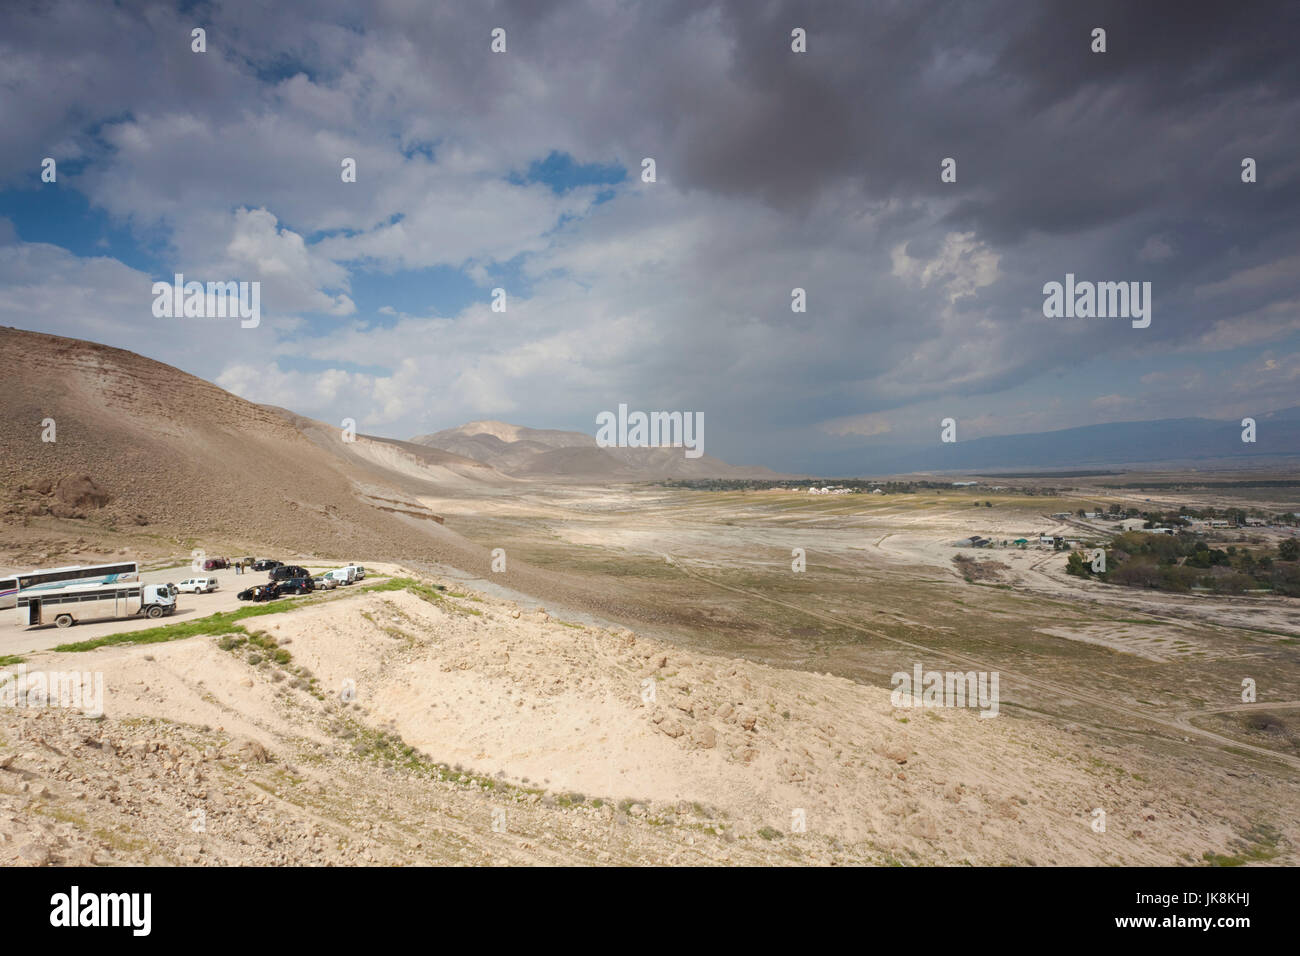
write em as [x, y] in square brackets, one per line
[157, 599]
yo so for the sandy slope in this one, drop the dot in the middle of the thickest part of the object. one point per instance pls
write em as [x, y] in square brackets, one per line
[712, 770]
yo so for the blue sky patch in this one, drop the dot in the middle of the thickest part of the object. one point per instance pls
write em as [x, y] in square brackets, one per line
[56, 213]
[561, 172]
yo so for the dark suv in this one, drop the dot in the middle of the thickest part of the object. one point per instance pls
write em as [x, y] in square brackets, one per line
[266, 564]
[297, 586]
[286, 571]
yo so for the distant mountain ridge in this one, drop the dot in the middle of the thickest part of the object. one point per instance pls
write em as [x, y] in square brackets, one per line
[1160, 441]
[523, 452]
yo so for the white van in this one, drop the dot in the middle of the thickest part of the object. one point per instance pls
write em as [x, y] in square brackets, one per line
[198, 585]
[342, 575]
[358, 572]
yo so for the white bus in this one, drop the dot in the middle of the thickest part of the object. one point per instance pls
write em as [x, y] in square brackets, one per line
[62, 606]
[45, 579]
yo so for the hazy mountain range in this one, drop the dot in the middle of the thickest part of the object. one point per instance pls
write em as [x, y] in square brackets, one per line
[1163, 442]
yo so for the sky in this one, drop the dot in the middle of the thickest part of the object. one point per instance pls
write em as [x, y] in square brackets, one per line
[774, 170]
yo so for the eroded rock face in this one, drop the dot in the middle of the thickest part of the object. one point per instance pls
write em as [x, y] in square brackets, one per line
[80, 491]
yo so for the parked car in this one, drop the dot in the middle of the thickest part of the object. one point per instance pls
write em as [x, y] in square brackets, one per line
[198, 585]
[296, 586]
[216, 564]
[286, 571]
[324, 582]
[266, 564]
[359, 571]
[259, 592]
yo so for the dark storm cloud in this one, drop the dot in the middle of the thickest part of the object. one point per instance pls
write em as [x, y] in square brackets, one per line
[1051, 136]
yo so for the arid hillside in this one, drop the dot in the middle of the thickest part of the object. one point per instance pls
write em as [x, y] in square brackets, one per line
[143, 448]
